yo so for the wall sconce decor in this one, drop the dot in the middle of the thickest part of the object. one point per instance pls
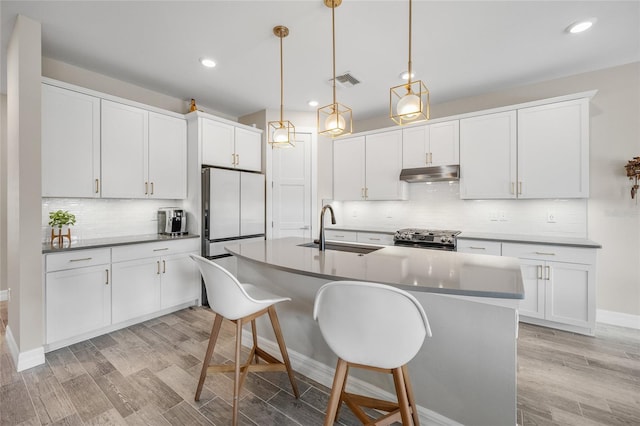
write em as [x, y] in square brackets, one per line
[633, 171]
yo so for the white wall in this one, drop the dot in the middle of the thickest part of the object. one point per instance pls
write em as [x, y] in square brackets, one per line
[3, 193]
[613, 219]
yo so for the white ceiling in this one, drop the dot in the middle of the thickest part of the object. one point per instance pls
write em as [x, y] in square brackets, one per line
[460, 48]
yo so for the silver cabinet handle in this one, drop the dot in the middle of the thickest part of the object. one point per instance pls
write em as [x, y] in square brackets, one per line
[539, 272]
[362, 192]
[161, 249]
[107, 282]
[366, 193]
[233, 159]
[151, 188]
[80, 260]
[97, 186]
[431, 158]
[158, 270]
[374, 239]
[520, 188]
[164, 267]
[426, 158]
[513, 187]
[542, 253]
[548, 272]
[477, 248]
[305, 227]
[146, 188]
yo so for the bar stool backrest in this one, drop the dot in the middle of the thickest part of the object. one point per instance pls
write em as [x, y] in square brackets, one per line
[370, 324]
[225, 294]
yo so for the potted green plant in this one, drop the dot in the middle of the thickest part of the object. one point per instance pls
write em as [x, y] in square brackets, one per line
[59, 220]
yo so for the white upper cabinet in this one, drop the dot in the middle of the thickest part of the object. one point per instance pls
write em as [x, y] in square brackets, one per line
[144, 154]
[124, 151]
[225, 145]
[535, 152]
[383, 164]
[167, 156]
[488, 147]
[368, 167]
[348, 168]
[431, 145]
[553, 150]
[70, 143]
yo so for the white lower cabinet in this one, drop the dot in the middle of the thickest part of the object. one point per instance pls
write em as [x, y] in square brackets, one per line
[77, 293]
[559, 285]
[94, 291]
[493, 248]
[377, 238]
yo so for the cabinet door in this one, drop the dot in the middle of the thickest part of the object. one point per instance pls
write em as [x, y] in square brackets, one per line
[415, 147]
[224, 204]
[444, 143]
[348, 168]
[383, 166]
[70, 143]
[135, 289]
[167, 157]
[533, 304]
[179, 280]
[252, 203]
[570, 298]
[553, 150]
[77, 301]
[217, 144]
[488, 156]
[248, 149]
[124, 151]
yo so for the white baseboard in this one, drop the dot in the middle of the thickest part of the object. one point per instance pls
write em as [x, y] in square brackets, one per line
[323, 374]
[23, 360]
[4, 295]
[618, 318]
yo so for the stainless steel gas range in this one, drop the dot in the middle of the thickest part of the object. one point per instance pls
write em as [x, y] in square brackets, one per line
[434, 239]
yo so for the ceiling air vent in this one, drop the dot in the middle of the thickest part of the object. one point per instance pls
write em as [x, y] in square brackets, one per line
[345, 80]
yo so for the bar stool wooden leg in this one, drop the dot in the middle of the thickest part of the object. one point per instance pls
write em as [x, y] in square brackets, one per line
[283, 349]
[255, 339]
[236, 373]
[401, 391]
[410, 394]
[344, 386]
[336, 391]
[215, 331]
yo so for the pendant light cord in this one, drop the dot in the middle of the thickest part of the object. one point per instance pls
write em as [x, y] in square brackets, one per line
[333, 32]
[410, 70]
[281, 84]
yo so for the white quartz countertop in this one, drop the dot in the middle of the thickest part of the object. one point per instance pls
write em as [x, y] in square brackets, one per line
[407, 268]
[110, 242]
[531, 239]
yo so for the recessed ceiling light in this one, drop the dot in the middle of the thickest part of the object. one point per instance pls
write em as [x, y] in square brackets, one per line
[208, 62]
[580, 26]
[404, 75]
[313, 103]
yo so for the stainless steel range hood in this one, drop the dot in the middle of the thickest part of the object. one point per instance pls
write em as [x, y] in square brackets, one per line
[431, 174]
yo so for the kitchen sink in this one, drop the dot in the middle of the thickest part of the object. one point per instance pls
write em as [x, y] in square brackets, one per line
[343, 247]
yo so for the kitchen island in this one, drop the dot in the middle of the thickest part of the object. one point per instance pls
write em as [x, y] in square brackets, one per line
[465, 373]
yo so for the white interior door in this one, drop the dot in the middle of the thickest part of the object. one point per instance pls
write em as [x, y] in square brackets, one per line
[291, 176]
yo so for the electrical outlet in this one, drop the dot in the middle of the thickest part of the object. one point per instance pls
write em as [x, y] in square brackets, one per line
[502, 215]
[551, 216]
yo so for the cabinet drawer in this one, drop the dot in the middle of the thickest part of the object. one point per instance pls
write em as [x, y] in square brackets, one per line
[375, 238]
[158, 248]
[493, 248]
[550, 252]
[330, 234]
[77, 259]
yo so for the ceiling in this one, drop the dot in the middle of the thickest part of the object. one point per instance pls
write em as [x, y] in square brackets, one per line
[460, 48]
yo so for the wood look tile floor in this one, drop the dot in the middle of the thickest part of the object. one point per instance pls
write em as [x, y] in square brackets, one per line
[146, 375]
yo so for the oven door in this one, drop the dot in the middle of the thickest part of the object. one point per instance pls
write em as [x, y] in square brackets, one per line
[425, 245]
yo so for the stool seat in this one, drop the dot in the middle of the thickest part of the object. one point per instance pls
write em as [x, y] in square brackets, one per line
[241, 304]
[376, 327]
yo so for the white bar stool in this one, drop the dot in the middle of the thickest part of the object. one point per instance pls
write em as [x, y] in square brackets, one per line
[241, 304]
[375, 327]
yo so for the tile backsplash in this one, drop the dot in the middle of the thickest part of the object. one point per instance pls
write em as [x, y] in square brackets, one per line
[102, 218]
[438, 206]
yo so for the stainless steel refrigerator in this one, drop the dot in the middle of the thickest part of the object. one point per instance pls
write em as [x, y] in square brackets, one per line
[233, 209]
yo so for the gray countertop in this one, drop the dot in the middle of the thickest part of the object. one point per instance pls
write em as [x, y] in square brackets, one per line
[531, 239]
[407, 268]
[110, 242]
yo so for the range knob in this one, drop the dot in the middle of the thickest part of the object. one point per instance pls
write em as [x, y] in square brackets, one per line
[443, 239]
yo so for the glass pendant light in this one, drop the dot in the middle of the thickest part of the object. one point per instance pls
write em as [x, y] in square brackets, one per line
[335, 119]
[409, 102]
[282, 134]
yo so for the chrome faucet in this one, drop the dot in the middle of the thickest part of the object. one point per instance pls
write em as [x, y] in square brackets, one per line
[321, 243]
